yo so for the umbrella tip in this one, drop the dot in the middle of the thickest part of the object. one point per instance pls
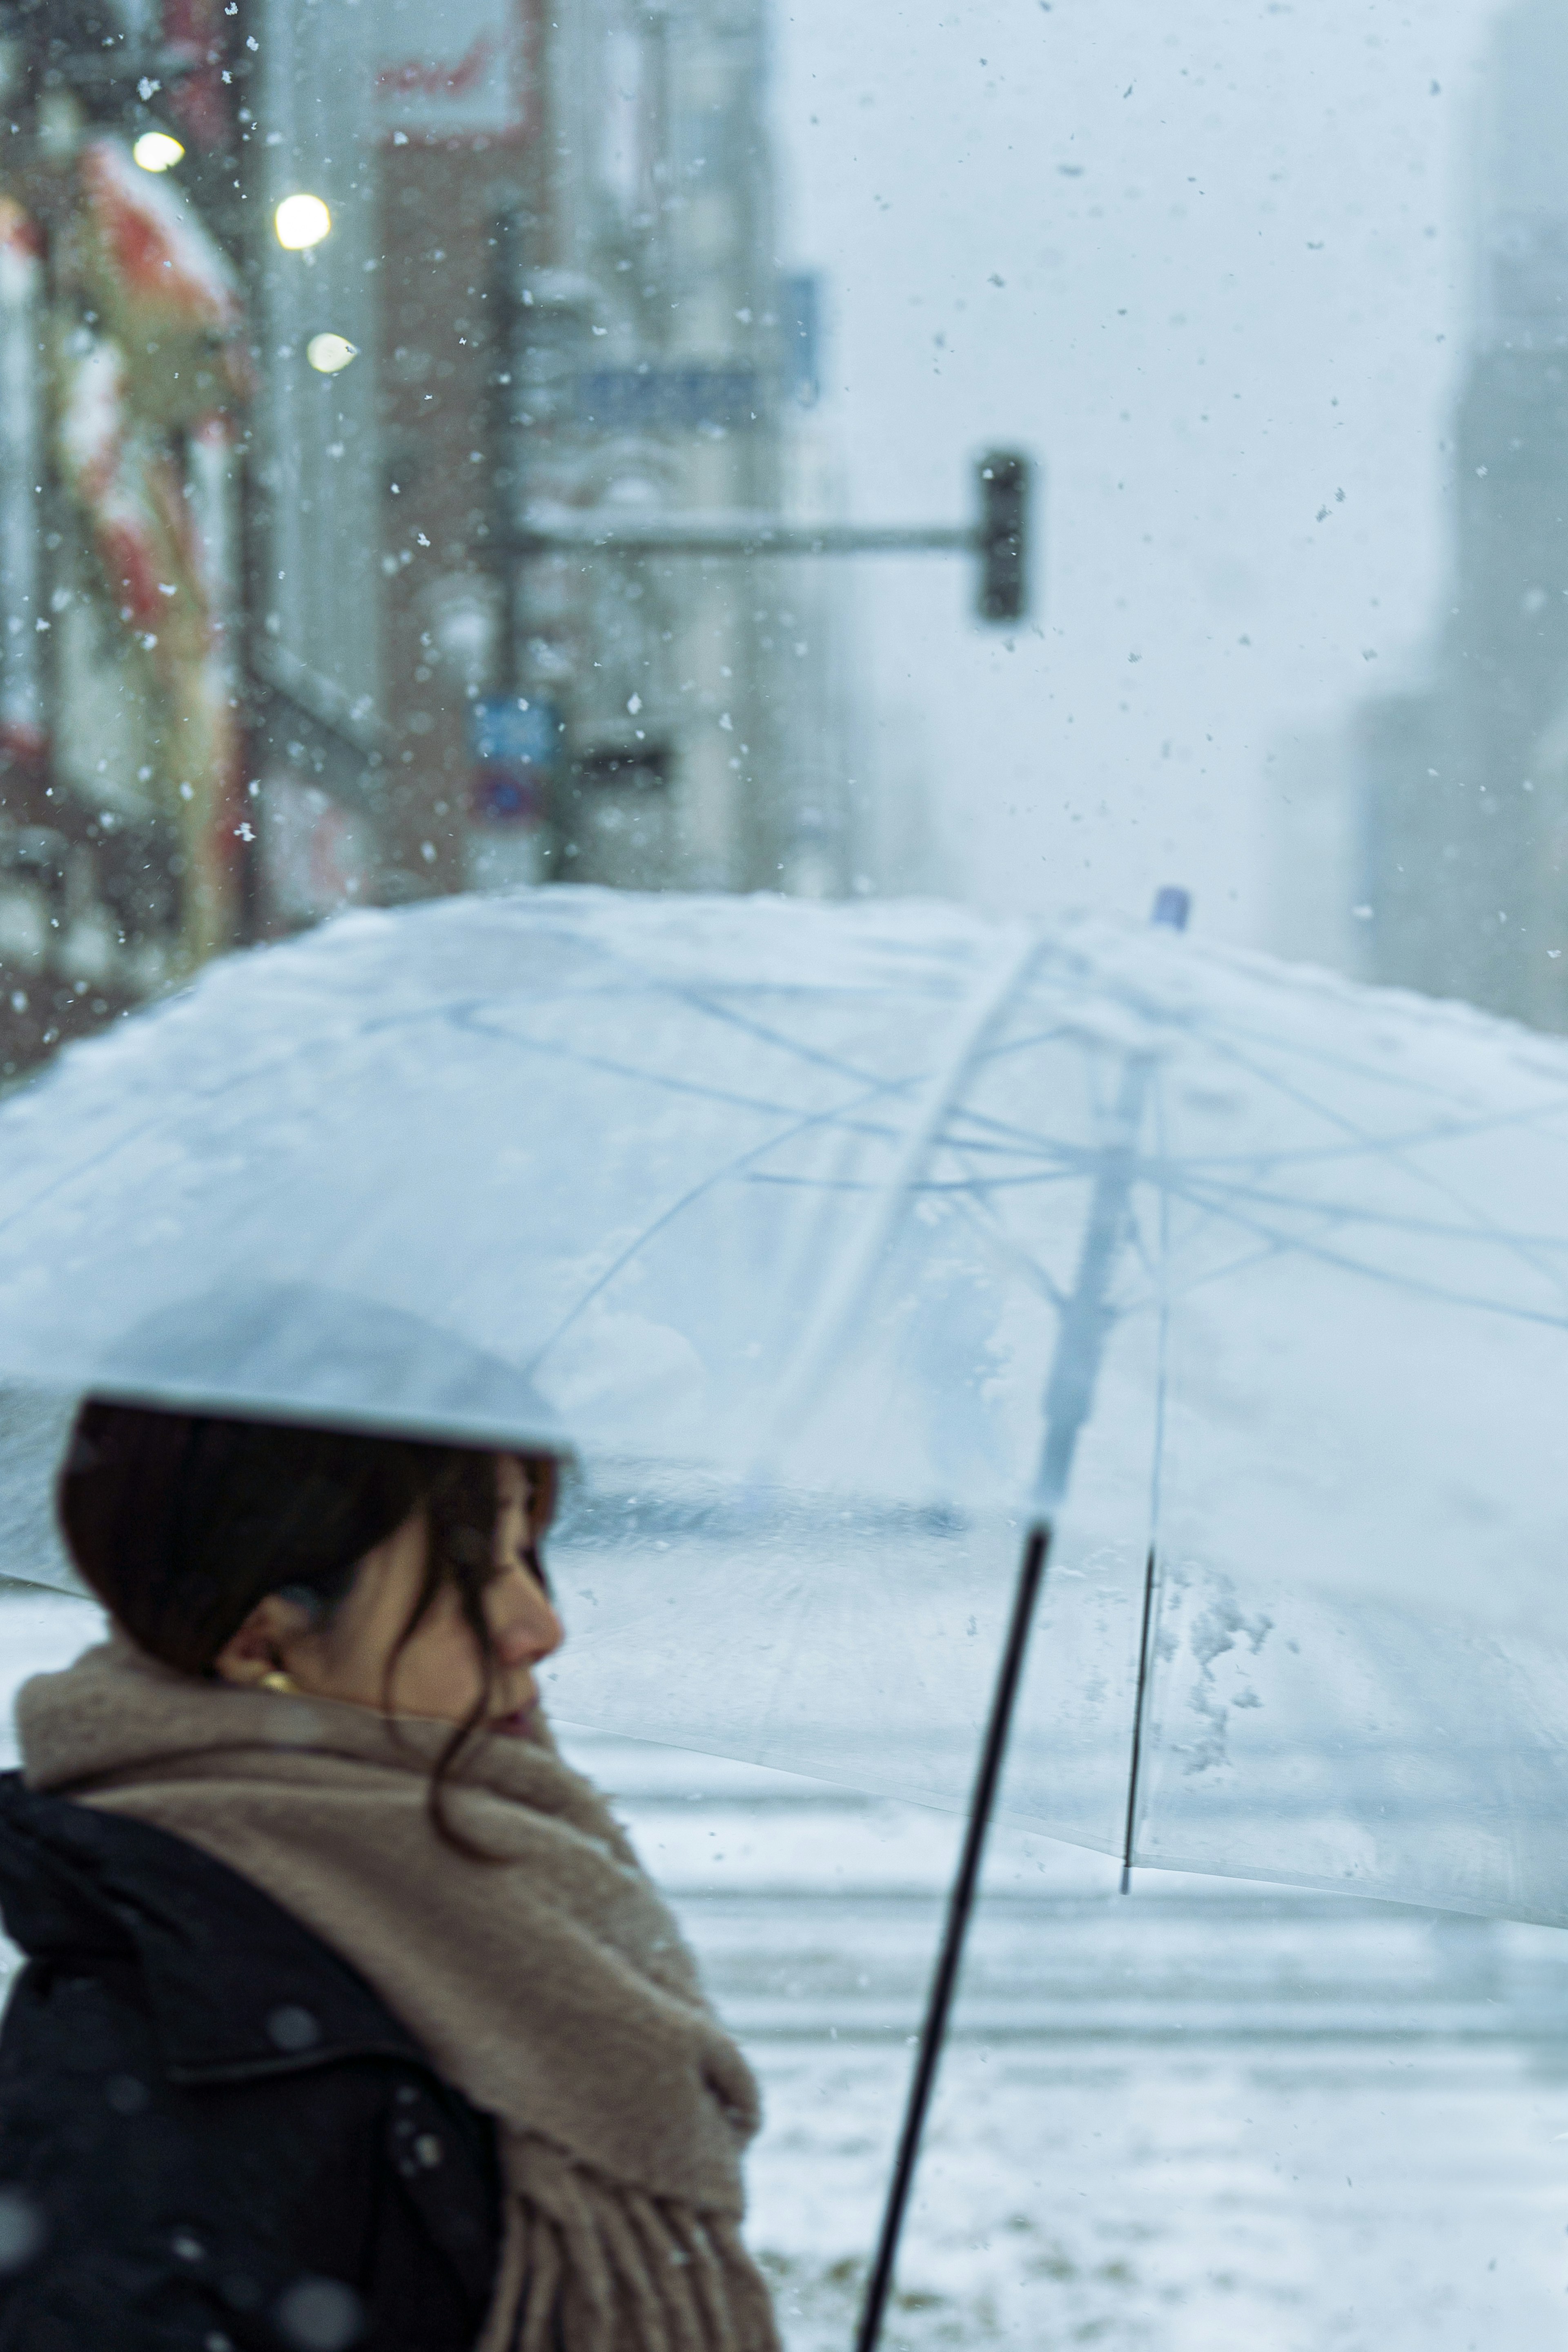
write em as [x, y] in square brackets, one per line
[1172, 906]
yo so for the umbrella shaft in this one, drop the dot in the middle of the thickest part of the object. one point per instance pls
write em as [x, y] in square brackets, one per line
[960, 1903]
[1134, 1766]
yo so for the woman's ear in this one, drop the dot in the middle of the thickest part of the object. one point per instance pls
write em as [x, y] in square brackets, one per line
[261, 1645]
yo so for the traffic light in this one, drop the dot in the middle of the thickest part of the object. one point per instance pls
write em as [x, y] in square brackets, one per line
[1002, 536]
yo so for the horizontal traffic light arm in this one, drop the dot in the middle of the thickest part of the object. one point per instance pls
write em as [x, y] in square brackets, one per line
[567, 531]
[999, 538]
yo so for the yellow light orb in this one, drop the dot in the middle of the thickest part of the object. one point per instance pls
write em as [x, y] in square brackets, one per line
[155, 151]
[329, 354]
[301, 222]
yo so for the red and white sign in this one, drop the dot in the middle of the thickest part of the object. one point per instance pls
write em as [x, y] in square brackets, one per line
[461, 70]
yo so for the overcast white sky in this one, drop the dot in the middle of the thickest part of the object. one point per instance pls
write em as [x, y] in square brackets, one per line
[1208, 264]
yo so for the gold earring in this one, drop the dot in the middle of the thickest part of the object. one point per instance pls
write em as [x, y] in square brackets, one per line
[278, 1681]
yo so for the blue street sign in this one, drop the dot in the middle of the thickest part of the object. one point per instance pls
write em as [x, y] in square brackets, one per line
[622, 400]
[515, 740]
[513, 730]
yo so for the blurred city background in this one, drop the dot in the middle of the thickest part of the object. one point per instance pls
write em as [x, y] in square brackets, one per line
[307, 307]
[397, 406]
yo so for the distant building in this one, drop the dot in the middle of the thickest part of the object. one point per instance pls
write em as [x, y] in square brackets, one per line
[663, 366]
[378, 503]
[1465, 787]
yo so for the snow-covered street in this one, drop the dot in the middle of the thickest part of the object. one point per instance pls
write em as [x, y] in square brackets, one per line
[1206, 2117]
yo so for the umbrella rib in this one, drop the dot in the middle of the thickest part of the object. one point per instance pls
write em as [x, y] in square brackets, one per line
[668, 1083]
[1344, 1211]
[470, 1015]
[1396, 1153]
[1162, 1015]
[701, 1001]
[674, 1085]
[1011, 1253]
[1347, 1264]
[846, 1292]
[1078, 1159]
[942, 1187]
[1261, 1255]
[1156, 1502]
[814, 1057]
[678, 1208]
[1338, 1063]
[1276, 1244]
[1456, 1131]
[1137, 1000]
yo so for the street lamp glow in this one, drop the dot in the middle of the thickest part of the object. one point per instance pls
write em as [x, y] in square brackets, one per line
[301, 222]
[155, 151]
[329, 354]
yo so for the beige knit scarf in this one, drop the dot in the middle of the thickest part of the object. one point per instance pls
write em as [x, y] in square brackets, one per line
[554, 1989]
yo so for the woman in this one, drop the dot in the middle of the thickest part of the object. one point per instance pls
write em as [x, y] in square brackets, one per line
[348, 2016]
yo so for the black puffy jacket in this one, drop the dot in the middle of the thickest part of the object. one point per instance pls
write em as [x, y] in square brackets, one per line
[213, 2138]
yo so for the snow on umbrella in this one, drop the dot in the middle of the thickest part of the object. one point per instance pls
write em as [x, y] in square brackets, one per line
[851, 1249]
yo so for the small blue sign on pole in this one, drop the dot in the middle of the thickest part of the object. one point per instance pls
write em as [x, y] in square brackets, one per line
[515, 740]
[645, 399]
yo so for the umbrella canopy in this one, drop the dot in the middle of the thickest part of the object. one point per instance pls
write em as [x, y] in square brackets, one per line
[823, 1236]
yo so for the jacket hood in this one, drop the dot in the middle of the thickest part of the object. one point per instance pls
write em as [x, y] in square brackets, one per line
[237, 1987]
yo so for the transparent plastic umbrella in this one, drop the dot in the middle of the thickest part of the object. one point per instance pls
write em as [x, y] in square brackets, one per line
[857, 1253]
[772, 1212]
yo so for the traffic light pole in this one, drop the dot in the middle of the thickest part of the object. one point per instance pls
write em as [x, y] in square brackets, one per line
[567, 530]
[998, 538]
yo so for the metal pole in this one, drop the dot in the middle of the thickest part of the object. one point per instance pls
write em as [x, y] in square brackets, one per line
[506, 442]
[1172, 908]
[1138, 1722]
[566, 532]
[1070, 1395]
[959, 1904]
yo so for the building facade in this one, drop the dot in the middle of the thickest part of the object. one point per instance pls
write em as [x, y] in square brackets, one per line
[665, 368]
[1464, 786]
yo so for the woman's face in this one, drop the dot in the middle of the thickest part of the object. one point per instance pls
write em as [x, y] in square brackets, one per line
[437, 1672]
